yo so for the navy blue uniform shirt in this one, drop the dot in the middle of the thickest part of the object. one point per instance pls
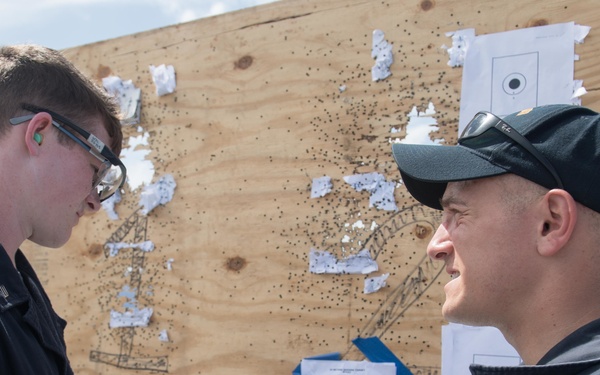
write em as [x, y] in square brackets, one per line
[31, 333]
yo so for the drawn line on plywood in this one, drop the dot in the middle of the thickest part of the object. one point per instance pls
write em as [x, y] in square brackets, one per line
[139, 224]
[416, 283]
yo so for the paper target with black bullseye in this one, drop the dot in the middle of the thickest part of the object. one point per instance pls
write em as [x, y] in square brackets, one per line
[514, 83]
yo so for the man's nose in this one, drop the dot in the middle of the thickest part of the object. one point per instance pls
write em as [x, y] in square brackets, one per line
[440, 245]
[92, 203]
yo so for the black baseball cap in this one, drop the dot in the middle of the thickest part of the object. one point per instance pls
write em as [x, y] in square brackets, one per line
[566, 153]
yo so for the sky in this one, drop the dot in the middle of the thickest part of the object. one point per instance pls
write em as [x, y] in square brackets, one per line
[61, 24]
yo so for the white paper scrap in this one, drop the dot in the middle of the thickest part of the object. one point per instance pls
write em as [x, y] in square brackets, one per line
[160, 192]
[321, 186]
[321, 367]
[163, 77]
[461, 39]
[358, 225]
[135, 318]
[128, 96]
[364, 181]
[382, 192]
[381, 51]
[169, 264]
[373, 284]
[383, 196]
[578, 92]
[325, 262]
[581, 32]
[163, 336]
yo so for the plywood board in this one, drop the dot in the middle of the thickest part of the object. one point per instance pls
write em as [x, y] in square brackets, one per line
[257, 114]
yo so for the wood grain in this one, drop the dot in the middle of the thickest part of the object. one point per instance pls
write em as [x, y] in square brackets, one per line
[256, 115]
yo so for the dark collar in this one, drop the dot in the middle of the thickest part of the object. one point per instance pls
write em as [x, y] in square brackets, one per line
[580, 345]
[12, 288]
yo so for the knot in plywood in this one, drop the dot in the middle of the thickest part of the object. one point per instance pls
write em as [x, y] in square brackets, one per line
[244, 62]
[422, 232]
[95, 250]
[103, 71]
[538, 22]
[427, 5]
[236, 263]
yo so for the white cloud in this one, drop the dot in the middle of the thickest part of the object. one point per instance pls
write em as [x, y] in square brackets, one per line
[187, 15]
[188, 10]
[218, 7]
[67, 23]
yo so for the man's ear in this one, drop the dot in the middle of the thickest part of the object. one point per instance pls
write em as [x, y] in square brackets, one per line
[37, 129]
[559, 214]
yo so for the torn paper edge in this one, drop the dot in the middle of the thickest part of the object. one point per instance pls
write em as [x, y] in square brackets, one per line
[580, 32]
[321, 186]
[381, 51]
[159, 193]
[163, 77]
[373, 284]
[128, 97]
[578, 92]
[163, 336]
[461, 39]
[381, 192]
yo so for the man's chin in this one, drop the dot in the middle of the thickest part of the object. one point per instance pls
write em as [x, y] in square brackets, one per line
[53, 242]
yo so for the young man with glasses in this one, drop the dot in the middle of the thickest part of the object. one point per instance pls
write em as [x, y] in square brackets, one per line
[59, 141]
[520, 234]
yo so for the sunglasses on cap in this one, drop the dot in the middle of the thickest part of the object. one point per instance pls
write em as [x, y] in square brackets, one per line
[484, 121]
[111, 174]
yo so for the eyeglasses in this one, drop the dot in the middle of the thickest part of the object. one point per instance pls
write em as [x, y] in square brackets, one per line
[110, 176]
[483, 121]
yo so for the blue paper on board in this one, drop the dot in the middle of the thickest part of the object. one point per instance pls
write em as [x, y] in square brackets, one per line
[376, 351]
